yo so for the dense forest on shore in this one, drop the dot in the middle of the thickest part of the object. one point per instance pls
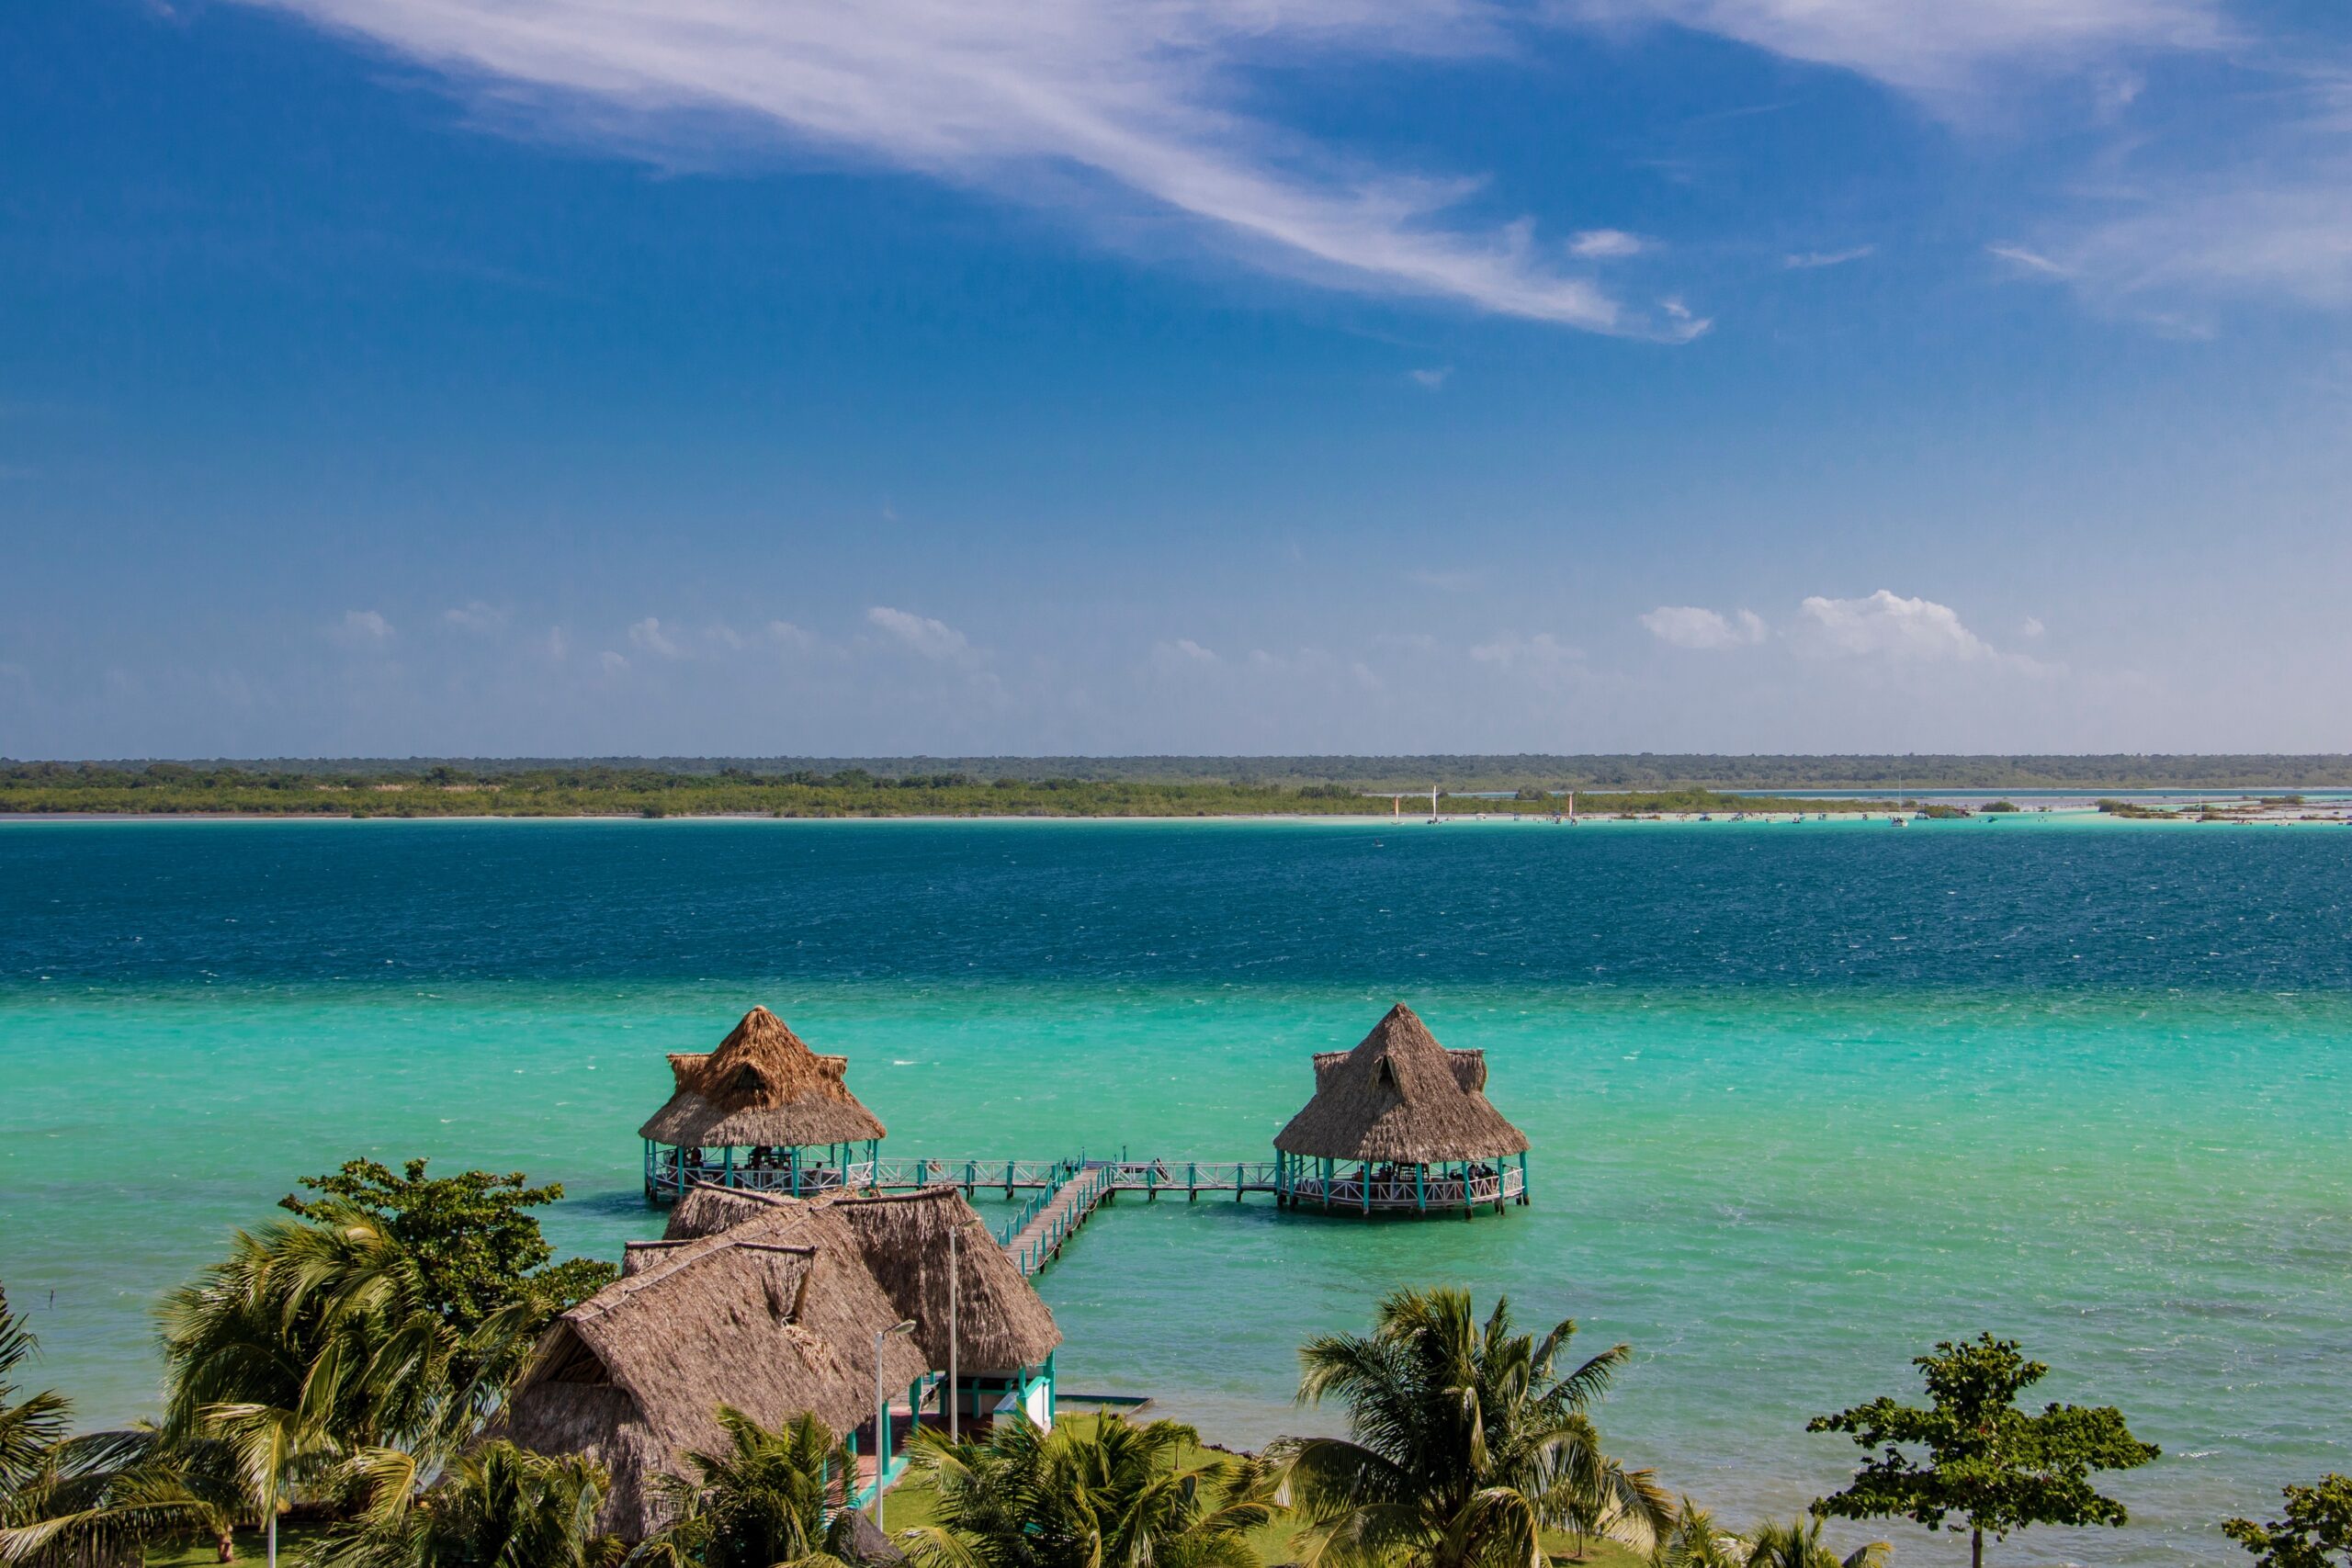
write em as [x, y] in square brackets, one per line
[592, 789]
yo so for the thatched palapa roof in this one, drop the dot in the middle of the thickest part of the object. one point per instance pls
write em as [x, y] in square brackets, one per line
[761, 1086]
[1400, 1096]
[770, 1304]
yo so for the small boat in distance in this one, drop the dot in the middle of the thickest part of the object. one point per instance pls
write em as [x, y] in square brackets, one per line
[1898, 818]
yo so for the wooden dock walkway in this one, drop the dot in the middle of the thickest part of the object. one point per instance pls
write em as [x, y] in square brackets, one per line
[1066, 1193]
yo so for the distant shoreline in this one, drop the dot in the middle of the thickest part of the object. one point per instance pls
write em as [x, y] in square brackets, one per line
[2070, 815]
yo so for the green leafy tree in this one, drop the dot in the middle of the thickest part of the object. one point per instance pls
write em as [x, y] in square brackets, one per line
[1098, 1493]
[1467, 1441]
[477, 1245]
[500, 1507]
[1988, 1465]
[2316, 1532]
[759, 1501]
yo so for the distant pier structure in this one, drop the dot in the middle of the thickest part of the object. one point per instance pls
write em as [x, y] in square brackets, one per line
[1401, 1123]
[761, 1112]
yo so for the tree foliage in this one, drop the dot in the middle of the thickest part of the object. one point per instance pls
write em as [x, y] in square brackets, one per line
[1100, 1494]
[476, 1245]
[1988, 1466]
[2316, 1532]
[759, 1501]
[1466, 1442]
[500, 1507]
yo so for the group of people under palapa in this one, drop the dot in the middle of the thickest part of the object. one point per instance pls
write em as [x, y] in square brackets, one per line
[780, 1287]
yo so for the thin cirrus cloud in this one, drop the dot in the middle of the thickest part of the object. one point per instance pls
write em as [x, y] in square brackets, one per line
[1942, 50]
[1135, 99]
[1704, 630]
[1808, 261]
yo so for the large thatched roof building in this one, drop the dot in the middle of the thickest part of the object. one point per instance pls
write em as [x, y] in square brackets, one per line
[766, 1093]
[772, 1305]
[1401, 1123]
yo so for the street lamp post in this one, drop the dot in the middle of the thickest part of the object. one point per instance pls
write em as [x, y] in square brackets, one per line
[882, 1413]
[954, 1286]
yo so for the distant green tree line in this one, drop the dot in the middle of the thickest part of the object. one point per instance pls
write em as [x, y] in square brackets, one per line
[598, 790]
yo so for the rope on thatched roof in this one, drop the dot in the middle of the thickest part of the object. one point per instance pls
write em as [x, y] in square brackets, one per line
[1400, 1096]
[761, 1086]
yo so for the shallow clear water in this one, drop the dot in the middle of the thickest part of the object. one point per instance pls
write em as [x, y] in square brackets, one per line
[1804, 1099]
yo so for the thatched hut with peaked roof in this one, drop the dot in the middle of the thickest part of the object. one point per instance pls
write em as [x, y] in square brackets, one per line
[761, 1112]
[1401, 1123]
[776, 1306]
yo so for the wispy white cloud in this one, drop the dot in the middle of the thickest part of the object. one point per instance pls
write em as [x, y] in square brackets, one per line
[1136, 101]
[1606, 244]
[1694, 627]
[647, 635]
[1431, 378]
[476, 617]
[361, 628]
[929, 637]
[1941, 50]
[1801, 260]
[1513, 651]
[2031, 261]
[1182, 653]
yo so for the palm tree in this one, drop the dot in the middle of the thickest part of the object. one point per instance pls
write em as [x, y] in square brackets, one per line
[1098, 1493]
[312, 1343]
[93, 1499]
[1697, 1541]
[500, 1507]
[1797, 1544]
[759, 1501]
[1468, 1443]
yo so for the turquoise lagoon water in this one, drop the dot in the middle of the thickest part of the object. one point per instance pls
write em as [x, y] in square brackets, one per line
[1804, 1099]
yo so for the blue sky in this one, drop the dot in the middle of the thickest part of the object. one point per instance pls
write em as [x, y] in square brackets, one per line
[554, 377]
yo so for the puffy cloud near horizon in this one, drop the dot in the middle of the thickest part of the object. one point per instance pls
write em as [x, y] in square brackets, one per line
[1887, 626]
[929, 637]
[1101, 107]
[647, 634]
[1693, 626]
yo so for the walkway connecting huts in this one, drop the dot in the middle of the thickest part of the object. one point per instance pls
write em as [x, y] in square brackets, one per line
[1401, 1123]
[761, 1112]
[772, 1305]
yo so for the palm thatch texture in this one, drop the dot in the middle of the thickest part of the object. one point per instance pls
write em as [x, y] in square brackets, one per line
[1399, 1108]
[1467, 1442]
[764, 1091]
[770, 1305]
[1098, 1494]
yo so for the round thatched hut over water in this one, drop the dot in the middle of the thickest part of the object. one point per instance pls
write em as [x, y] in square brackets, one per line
[762, 1111]
[1401, 1123]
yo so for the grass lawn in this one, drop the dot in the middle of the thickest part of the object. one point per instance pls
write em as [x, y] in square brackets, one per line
[251, 1548]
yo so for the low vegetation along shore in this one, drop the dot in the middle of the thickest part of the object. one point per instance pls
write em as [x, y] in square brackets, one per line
[171, 789]
[342, 1373]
